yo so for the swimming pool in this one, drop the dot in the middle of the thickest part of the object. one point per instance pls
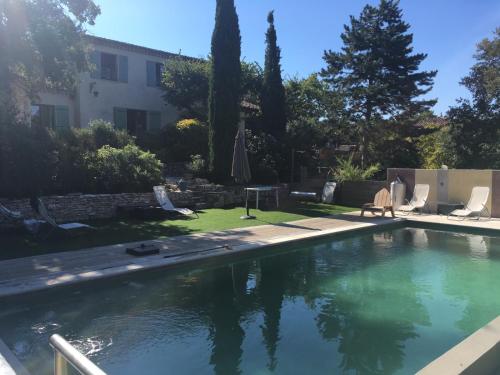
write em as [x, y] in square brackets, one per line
[384, 302]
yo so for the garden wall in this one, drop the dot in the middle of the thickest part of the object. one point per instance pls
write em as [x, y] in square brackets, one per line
[357, 193]
[83, 207]
[451, 185]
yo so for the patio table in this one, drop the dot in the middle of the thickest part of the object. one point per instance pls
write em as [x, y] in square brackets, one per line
[257, 190]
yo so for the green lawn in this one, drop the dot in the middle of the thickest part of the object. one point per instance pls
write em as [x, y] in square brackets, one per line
[127, 230]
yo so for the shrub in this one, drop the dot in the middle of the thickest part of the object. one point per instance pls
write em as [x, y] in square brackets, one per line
[262, 157]
[129, 169]
[187, 124]
[348, 171]
[29, 160]
[188, 137]
[198, 166]
[36, 160]
[104, 133]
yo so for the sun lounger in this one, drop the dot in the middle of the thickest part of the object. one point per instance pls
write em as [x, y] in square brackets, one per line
[165, 202]
[381, 203]
[418, 201]
[476, 205]
[9, 215]
[44, 213]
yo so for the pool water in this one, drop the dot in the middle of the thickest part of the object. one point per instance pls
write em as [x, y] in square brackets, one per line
[377, 303]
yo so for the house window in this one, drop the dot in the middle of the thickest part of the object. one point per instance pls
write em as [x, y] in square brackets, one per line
[50, 116]
[109, 67]
[137, 122]
[154, 71]
[42, 115]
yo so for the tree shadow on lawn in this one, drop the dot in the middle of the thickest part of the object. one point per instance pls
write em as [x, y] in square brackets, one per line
[107, 232]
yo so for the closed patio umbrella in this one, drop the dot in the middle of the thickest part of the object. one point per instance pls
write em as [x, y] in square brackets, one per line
[241, 169]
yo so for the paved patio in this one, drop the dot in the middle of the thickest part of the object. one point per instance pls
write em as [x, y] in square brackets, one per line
[45, 271]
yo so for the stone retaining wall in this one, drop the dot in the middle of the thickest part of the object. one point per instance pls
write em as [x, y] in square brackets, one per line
[81, 207]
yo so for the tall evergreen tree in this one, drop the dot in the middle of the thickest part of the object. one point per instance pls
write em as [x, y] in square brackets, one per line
[376, 70]
[273, 101]
[224, 89]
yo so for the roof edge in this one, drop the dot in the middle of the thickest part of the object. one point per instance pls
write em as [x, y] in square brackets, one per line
[98, 40]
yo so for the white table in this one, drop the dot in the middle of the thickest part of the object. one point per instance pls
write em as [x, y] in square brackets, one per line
[258, 189]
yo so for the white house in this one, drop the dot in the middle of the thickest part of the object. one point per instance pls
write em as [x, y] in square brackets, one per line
[123, 89]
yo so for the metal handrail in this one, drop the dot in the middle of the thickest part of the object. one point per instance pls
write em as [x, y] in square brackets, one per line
[66, 354]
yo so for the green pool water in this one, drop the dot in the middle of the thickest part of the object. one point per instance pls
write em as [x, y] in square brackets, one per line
[377, 303]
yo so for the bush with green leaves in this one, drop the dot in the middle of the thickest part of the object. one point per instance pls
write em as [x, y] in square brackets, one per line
[29, 160]
[115, 170]
[104, 133]
[99, 159]
[346, 170]
[264, 157]
[188, 137]
[198, 166]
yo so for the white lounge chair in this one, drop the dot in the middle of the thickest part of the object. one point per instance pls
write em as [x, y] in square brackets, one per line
[44, 213]
[9, 214]
[476, 205]
[418, 201]
[165, 202]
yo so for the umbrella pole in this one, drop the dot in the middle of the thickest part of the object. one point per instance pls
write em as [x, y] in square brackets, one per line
[247, 216]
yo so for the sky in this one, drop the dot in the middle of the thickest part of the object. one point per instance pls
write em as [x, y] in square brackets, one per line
[446, 30]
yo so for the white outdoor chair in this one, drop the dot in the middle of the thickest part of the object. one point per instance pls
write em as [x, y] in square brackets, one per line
[476, 205]
[418, 201]
[44, 213]
[9, 214]
[165, 202]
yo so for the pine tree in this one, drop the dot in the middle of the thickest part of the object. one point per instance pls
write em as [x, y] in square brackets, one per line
[376, 70]
[224, 90]
[273, 101]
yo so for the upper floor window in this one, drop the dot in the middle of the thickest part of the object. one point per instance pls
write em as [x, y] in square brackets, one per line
[109, 66]
[154, 71]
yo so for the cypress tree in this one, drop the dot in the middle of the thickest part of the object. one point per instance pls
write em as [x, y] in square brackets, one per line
[273, 102]
[224, 90]
[376, 71]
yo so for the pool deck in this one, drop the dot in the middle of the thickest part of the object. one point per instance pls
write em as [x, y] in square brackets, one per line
[23, 275]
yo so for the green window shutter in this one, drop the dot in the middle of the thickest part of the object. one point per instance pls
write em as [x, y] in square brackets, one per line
[123, 68]
[95, 60]
[61, 117]
[154, 121]
[47, 116]
[151, 73]
[120, 118]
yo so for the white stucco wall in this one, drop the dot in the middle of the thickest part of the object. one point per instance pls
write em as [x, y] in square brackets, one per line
[96, 98]
[135, 94]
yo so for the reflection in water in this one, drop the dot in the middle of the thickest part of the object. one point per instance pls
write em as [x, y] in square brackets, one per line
[371, 332]
[369, 304]
[271, 291]
[225, 331]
